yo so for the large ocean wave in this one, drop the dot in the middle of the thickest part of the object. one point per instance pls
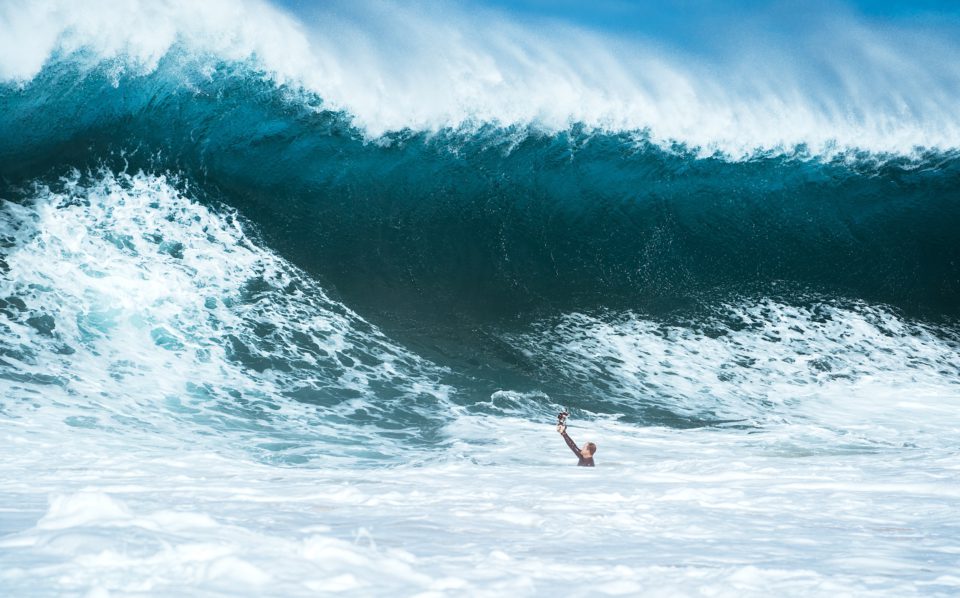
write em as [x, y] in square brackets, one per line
[456, 236]
[260, 270]
[502, 220]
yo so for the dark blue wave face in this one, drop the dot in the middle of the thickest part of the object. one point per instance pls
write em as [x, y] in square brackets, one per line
[494, 223]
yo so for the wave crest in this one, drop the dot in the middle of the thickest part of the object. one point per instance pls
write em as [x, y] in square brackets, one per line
[842, 83]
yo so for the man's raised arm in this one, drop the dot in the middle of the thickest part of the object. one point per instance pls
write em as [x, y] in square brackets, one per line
[573, 445]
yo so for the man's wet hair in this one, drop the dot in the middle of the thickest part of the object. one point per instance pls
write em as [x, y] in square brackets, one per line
[591, 447]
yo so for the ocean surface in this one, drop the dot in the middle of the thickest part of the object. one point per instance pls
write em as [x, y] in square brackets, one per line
[290, 298]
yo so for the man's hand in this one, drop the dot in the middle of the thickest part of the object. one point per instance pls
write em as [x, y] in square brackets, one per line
[561, 428]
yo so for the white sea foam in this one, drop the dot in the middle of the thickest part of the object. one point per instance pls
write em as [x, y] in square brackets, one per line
[667, 512]
[840, 366]
[140, 308]
[840, 83]
[119, 476]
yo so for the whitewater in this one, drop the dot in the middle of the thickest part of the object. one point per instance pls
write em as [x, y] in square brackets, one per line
[290, 298]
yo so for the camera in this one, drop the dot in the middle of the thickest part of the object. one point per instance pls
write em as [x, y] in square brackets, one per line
[562, 417]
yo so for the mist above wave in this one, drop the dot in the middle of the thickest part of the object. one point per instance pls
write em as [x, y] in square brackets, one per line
[841, 82]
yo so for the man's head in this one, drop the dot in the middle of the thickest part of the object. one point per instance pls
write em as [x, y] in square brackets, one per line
[588, 450]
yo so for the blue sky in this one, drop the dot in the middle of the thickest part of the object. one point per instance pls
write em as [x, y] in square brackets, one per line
[696, 25]
[672, 14]
[632, 13]
[701, 24]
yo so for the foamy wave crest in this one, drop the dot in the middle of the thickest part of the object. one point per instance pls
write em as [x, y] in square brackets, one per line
[128, 308]
[839, 367]
[839, 83]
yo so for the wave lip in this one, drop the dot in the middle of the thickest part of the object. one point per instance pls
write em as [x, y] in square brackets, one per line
[842, 84]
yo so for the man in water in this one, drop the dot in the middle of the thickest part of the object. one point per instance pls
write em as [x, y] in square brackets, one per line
[585, 454]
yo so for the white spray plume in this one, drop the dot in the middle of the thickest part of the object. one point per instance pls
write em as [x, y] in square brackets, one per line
[841, 84]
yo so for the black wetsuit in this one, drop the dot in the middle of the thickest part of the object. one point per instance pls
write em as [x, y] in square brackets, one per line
[584, 461]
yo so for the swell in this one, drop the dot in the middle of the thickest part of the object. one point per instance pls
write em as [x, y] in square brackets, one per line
[494, 222]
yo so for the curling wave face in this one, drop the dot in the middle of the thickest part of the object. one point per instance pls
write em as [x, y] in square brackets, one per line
[123, 284]
[499, 221]
[465, 206]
